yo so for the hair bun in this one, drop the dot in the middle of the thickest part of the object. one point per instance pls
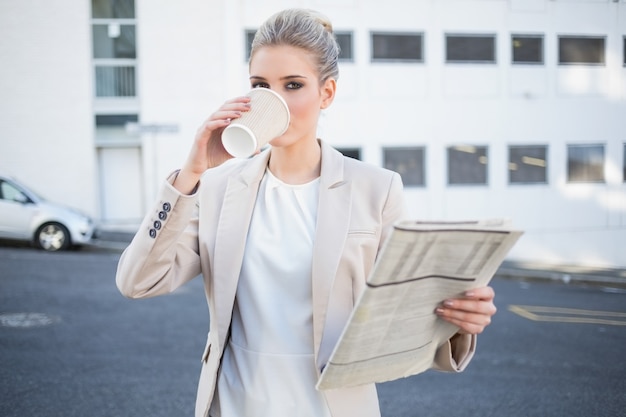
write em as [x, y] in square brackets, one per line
[322, 20]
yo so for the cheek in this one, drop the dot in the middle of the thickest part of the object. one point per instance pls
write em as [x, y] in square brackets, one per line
[301, 109]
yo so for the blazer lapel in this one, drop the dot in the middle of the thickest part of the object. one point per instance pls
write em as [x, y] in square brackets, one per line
[333, 219]
[231, 236]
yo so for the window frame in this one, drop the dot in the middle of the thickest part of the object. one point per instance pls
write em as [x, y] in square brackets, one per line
[560, 62]
[449, 165]
[104, 64]
[375, 60]
[545, 167]
[570, 162]
[492, 36]
[542, 58]
[248, 37]
[349, 33]
[407, 179]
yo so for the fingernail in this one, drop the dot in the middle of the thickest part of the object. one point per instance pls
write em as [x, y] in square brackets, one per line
[448, 303]
[469, 293]
[439, 311]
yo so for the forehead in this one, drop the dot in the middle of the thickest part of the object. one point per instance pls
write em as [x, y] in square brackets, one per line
[279, 60]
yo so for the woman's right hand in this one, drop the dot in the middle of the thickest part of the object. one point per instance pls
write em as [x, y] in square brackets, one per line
[207, 150]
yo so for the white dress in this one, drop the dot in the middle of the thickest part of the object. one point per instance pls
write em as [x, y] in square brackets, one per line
[268, 368]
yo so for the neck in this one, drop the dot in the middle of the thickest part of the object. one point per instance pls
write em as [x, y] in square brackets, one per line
[296, 164]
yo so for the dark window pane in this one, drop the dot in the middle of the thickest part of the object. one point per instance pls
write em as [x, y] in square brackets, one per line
[527, 164]
[115, 81]
[351, 152]
[581, 50]
[344, 39]
[624, 164]
[115, 120]
[113, 9]
[114, 41]
[408, 162]
[585, 163]
[249, 38]
[471, 48]
[467, 165]
[527, 49]
[397, 47]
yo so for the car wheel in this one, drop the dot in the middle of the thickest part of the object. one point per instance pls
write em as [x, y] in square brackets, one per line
[52, 237]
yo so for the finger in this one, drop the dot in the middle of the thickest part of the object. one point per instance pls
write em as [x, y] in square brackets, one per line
[471, 323]
[478, 306]
[482, 293]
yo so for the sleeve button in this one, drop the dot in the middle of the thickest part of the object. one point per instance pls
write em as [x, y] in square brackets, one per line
[167, 207]
[157, 225]
[152, 233]
[162, 215]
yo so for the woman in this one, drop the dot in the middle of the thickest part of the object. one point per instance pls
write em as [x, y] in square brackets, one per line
[284, 242]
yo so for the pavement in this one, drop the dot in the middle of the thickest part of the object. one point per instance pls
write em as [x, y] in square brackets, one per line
[116, 239]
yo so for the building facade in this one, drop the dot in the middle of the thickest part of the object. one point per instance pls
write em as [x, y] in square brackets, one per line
[487, 108]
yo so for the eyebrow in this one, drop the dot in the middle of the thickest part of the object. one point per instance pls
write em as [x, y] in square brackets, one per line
[287, 77]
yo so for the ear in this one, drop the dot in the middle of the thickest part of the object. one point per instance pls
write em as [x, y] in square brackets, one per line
[328, 91]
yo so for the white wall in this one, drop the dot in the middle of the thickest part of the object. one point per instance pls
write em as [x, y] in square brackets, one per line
[191, 59]
[46, 128]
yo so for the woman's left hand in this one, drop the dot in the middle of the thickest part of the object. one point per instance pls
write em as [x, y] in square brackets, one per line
[472, 312]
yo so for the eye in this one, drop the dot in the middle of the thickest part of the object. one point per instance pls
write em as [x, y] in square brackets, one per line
[260, 85]
[293, 85]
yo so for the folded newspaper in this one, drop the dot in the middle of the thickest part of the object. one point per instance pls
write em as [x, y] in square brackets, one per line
[393, 331]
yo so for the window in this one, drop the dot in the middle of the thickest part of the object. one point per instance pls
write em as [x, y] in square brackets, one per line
[114, 47]
[249, 38]
[404, 47]
[115, 81]
[477, 49]
[585, 163]
[527, 164]
[408, 162]
[351, 152]
[113, 9]
[114, 41]
[344, 39]
[527, 49]
[115, 120]
[624, 50]
[467, 165]
[9, 192]
[581, 50]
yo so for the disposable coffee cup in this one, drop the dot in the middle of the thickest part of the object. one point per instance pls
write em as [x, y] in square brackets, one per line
[267, 119]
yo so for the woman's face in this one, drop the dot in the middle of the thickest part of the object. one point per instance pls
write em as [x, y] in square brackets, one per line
[291, 72]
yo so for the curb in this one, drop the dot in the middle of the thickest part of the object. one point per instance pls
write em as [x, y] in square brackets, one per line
[117, 241]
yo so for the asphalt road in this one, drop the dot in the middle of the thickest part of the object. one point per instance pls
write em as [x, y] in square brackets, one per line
[71, 345]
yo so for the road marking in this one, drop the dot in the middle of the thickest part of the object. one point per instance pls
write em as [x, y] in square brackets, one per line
[569, 315]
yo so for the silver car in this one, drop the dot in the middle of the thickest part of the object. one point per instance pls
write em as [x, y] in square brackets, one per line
[24, 215]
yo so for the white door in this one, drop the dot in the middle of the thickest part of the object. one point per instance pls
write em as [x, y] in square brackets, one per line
[121, 184]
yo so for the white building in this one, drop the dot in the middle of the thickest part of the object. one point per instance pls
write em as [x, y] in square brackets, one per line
[513, 108]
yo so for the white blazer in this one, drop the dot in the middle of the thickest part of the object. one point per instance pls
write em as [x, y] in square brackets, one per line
[205, 233]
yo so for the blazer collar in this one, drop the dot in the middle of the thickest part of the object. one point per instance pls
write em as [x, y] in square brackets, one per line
[230, 239]
[333, 218]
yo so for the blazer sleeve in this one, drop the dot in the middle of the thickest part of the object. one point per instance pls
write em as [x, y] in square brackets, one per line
[456, 353]
[163, 255]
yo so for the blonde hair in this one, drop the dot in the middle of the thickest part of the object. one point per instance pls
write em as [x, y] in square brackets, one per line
[305, 29]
